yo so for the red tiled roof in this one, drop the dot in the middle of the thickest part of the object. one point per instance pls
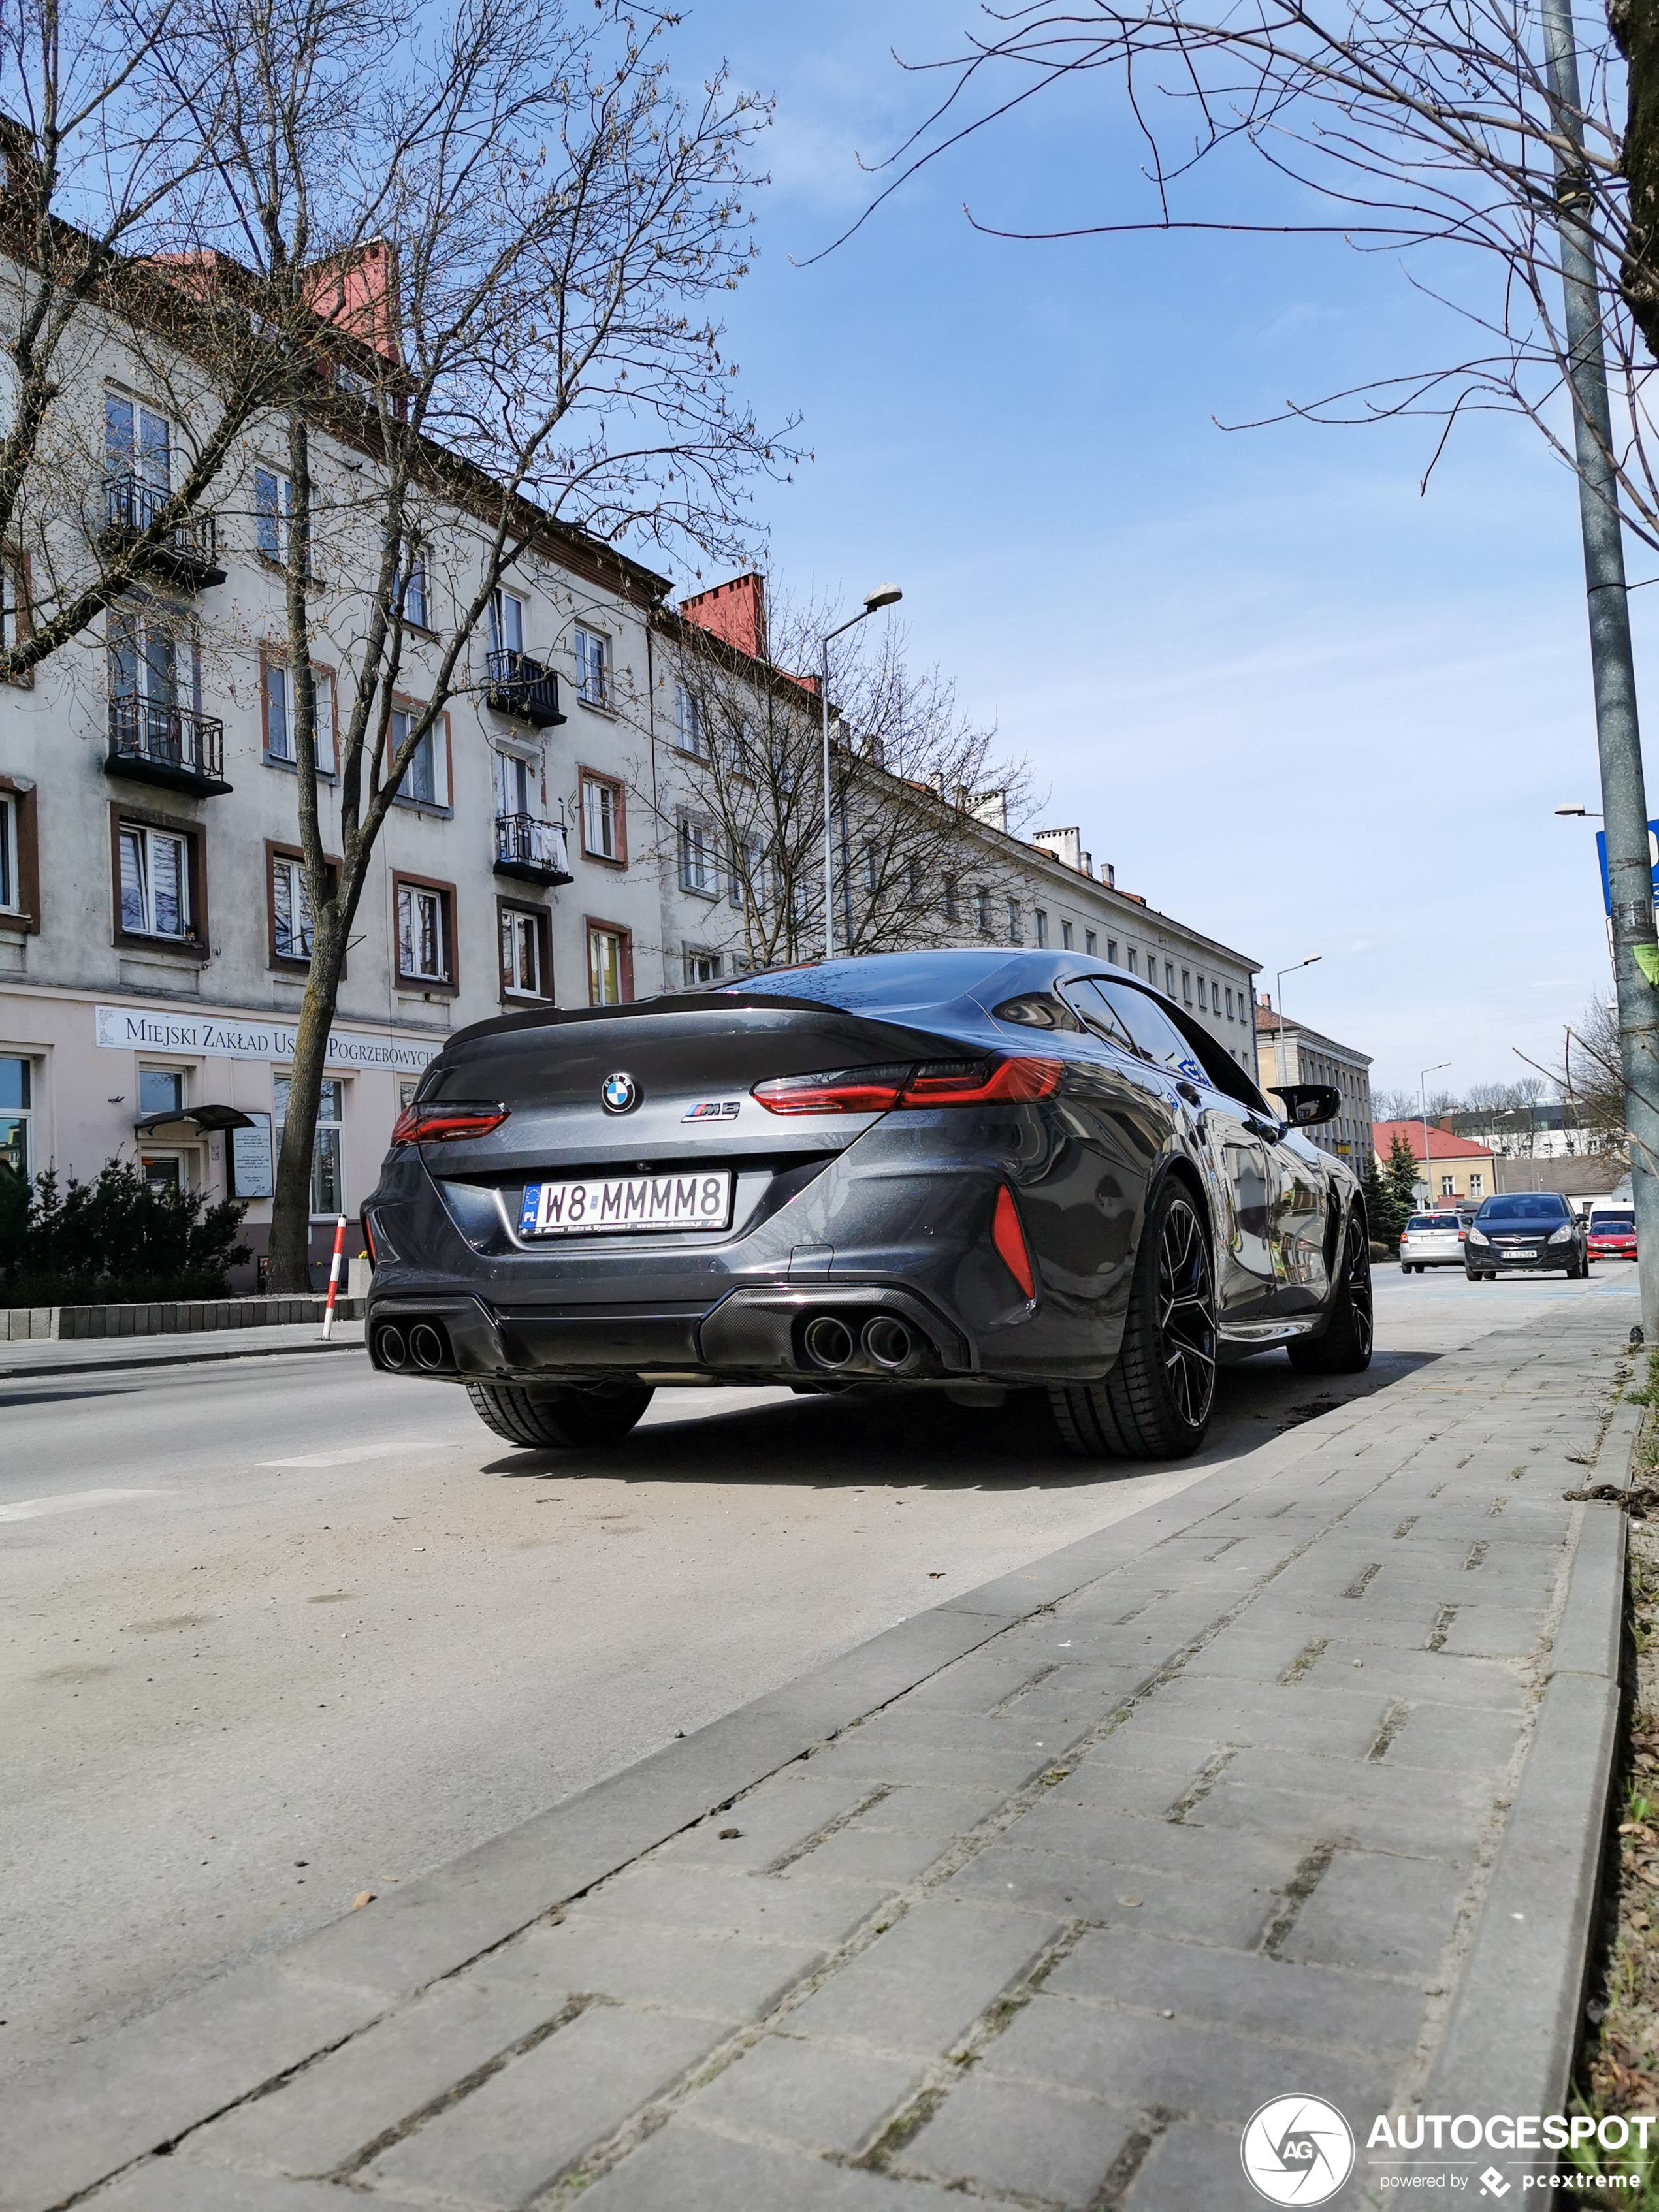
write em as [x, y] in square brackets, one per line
[1442, 1145]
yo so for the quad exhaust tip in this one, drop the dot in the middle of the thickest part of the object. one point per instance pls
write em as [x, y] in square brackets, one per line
[393, 1352]
[426, 1346]
[829, 1342]
[887, 1342]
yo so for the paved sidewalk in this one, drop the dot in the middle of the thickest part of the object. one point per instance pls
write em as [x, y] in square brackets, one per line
[30, 1356]
[1289, 1783]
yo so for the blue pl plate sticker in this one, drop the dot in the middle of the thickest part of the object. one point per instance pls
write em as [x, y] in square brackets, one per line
[532, 1198]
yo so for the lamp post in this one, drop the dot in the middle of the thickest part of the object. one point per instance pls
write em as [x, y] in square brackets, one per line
[885, 596]
[1423, 1102]
[1278, 993]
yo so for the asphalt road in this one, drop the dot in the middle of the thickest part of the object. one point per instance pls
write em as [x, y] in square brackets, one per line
[278, 1630]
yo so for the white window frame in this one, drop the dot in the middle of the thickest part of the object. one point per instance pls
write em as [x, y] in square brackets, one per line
[1067, 934]
[411, 588]
[145, 841]
[141, 454]
[697, 957]
[434, 746]
[23, 1115]
[1041, 914]
[601, 806]
[699, 866]
[279, 690]
[416, 901]
[328, 1145]
[274, 508]
[1016, 926]
[598, 937]
[690, 731]
[590, 649]
[300, 922]
[183, 1074]
[11, 894]
[520, 927]
[509, 610]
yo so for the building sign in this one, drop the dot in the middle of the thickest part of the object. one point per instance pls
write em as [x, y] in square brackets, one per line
[230, 1036]
[250, 1160]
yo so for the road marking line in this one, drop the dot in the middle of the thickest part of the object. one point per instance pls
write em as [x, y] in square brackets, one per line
[350, 1452]
[67, 1501]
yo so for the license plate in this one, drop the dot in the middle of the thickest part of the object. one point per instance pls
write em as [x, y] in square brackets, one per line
[621, 1204]
[1514, 1255]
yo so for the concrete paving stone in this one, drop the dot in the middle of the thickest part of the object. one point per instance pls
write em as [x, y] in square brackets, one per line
[1008, 2137]
[921, 1987]
[1361, 1822]
[727, 1977]
[933, 1809]
[791, 1907]
[682, 2169]
[1249, 1651]
[776, 1818]
[904, 1728]
[1136, 1745]
[976, 1683]
[1384, 1914]
[1338, 1722]
[1198, 2166]
[1131, 1966]
[1441, 1678]
[315, 2121]
[823, 2099]
[1164, 1846]
[530, 2123]
[1455, 1737]
[1208, 2073]
[69, 2123]
[1405, 1628]
[169, 2185]
[920, 1761]
[861, 1854]
[1231, 1912]
[1361, 1778]
[1494, 1631]
[1146, 1792]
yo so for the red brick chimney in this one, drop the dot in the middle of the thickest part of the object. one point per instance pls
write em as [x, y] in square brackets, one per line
[735, 613]
[358, 290]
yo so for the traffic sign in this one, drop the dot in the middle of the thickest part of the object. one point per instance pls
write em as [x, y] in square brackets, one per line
[1653, 862]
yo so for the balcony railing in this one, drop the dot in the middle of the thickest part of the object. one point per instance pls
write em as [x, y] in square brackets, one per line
[157, 743]
[531, 850]
[521, 687]
[188, 554]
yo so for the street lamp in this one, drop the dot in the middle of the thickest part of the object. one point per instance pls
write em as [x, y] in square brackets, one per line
[1423, 1102]
[1278, 993]
[884, 596]
[1578, 813]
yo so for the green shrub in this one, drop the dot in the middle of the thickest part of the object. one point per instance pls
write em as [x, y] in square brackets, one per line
[114, 1241]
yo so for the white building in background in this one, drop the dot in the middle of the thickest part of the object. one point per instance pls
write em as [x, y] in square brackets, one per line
[153, 930]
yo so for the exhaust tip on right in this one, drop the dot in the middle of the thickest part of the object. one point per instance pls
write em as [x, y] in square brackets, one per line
[887, 1341]
[829, 1342]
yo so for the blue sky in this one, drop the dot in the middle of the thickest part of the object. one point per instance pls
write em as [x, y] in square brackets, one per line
[1297, 704]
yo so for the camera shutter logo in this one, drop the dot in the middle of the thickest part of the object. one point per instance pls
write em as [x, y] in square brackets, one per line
[1297, 2150]
[617, 1093]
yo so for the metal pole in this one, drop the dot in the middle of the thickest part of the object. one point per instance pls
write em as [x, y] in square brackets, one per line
[1618, 732]
[1423, 1101]
[829, 873]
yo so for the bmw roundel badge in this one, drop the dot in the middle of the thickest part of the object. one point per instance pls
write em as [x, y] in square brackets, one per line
[618, 1092]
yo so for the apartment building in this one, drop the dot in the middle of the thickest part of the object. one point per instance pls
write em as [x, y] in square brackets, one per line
[154, 928]
[1290, 1052]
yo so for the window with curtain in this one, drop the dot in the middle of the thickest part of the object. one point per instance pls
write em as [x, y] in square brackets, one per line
[604, 967]
[290, 908]
[155, 882]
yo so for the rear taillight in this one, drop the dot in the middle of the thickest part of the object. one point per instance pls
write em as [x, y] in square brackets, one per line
[992, 1081]
[443, 1124]
[1010, 1242]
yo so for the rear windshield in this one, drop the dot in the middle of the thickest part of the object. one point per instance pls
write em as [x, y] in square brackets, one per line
[1525, 1205]
[1432, 1221]
[1609, 1224]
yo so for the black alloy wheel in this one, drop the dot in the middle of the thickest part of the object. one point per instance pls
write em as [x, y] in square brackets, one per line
[1345, 1346]
[567, 1415]
[1157, 1401]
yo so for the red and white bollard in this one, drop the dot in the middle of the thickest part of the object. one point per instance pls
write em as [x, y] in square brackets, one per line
[334, 1278]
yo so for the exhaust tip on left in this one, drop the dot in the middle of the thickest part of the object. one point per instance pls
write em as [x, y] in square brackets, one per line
[390, 1347]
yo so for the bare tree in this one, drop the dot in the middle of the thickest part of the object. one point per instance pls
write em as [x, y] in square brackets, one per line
[915, 790]
[1393, 1105]
[109, 120]
[1592, 1082]
[1426, 130]
[513, 232]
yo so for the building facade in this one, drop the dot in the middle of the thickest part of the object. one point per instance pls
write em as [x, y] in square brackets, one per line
[1290, 1052]
[1448, 1168]
[153, 931]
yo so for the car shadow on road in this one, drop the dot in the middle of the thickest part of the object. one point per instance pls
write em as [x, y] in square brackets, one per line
[896, 1440]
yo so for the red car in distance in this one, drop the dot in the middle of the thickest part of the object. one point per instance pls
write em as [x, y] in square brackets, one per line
[1612, 1233]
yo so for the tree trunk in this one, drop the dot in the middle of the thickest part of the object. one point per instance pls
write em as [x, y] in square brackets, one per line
[289, 1266]
[1635, 24]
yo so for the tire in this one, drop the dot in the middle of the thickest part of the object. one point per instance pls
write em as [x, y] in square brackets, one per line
[1344, 1347]
[1404, 1267]
[561, 1414]
[1157, 1401]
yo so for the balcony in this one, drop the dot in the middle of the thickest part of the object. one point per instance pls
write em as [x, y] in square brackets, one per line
[155, 743]
[532, 851]
[188, 556]
[518, 686]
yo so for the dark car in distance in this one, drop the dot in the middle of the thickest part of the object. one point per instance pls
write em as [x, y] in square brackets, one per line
[969, 1171]
[1534, 1230]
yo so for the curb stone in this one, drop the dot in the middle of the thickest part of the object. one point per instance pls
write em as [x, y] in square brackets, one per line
[1509, 2043]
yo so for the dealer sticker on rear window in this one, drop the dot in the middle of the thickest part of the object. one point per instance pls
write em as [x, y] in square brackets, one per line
[617, 1203]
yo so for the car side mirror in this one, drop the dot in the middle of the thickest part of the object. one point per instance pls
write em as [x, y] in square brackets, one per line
[1307, 1104]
